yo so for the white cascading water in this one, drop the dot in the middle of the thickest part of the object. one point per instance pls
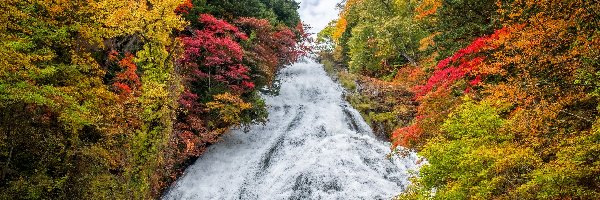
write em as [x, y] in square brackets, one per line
[314, 146]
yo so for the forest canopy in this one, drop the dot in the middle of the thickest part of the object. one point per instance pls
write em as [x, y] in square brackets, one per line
[504, 94]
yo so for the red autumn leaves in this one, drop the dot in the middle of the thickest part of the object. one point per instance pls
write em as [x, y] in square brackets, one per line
[215, 53]
[126, 80]
[222, 59]
[463, 65]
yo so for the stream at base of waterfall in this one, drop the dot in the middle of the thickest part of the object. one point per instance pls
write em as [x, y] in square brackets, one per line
[314, 146]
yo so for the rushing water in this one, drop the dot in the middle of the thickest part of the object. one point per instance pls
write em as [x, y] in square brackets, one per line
[314, 146]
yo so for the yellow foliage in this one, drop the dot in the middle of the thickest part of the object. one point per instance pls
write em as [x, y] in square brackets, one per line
[340, 28]
[427, 42]
[228, 107]
[152, 19]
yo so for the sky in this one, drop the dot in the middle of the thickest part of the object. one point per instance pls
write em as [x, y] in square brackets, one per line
[317, 13]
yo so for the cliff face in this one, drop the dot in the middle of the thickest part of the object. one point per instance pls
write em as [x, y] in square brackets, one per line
[314, 146]
[385, 105]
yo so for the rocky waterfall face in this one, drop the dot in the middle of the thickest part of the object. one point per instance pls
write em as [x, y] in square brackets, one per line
[314, 146]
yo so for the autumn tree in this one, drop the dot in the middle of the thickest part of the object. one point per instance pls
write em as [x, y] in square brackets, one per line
[271, 47]
[275, 11]
[533, 79]
[380, 36]
[68, 127]
[507, 91]
[459, 22]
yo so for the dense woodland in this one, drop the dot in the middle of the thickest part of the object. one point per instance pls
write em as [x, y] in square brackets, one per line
[501, 97]
[109, 99]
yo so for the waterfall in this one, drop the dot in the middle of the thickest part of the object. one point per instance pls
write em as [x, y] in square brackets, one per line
[314, 146]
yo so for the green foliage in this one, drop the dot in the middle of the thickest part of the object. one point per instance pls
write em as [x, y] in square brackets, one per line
[325, 38]
[574, 173]
[348, 81]
[461, 21]
[363, 51]
[382, 104]
[276, 11]
[383, 36]
[286, 11]
[51, 92]
[472, 121]
[329, 67]
[327, 33]
[258, 113]
[474, 159]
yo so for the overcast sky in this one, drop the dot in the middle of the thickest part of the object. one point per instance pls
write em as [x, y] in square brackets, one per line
[318, 13]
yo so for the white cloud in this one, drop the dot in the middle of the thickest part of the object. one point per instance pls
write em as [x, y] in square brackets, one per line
[317, 13]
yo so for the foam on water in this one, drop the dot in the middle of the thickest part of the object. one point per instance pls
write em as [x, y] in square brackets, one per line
[314, 146]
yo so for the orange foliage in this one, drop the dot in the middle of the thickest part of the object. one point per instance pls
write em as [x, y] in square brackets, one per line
[403, 136]
[459, 73]
[185, 7]
[340, 26]
[428, 7]
[540, 62]
[126, 81]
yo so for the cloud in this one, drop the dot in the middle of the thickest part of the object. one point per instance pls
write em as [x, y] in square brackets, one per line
[317, 13]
